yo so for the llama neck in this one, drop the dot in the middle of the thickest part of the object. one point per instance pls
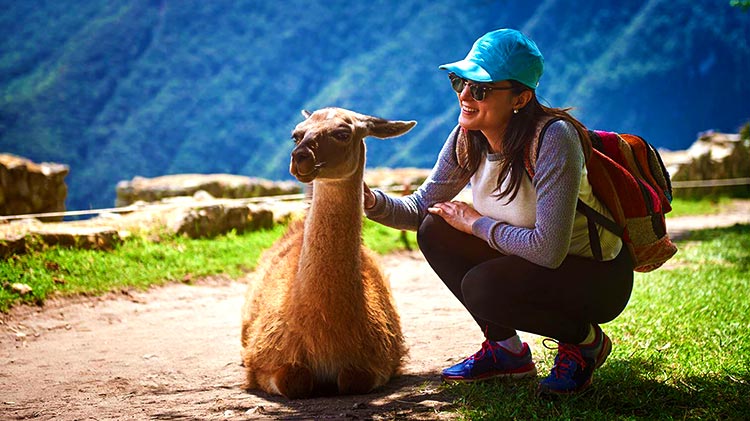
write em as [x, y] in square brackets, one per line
[329, 277]
[333, 227]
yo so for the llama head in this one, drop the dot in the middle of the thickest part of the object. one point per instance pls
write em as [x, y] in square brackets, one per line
[329, 143]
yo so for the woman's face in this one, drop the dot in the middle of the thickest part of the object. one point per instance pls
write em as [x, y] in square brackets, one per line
[491, 114]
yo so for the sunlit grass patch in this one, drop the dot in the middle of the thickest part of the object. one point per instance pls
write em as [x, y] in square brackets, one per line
[681, 347]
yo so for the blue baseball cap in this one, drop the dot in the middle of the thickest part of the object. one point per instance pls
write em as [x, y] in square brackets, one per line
[501, 55]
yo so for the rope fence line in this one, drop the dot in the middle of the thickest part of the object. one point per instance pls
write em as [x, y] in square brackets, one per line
[299, 196]
[711, 183]
[156, 206]
[141, 206]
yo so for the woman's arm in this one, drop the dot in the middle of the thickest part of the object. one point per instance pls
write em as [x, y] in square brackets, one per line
[557, 180]
[445, 181]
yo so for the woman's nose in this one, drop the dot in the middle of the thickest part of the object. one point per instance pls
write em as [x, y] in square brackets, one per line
[465, 93]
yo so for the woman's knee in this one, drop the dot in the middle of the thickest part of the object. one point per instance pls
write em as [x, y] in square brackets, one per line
[480, 288]
[493, 285]
[432, 231]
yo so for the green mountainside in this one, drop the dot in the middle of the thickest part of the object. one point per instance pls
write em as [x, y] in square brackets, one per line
[116, 89]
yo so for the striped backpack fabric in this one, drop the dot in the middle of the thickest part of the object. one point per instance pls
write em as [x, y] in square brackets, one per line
[628, 176]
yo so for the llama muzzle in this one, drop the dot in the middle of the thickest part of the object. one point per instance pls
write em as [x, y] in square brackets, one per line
[304, 166]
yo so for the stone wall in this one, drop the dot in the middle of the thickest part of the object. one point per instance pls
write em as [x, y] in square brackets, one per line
[714, 156]
[226, 186]
[27, 187]
[190, 218]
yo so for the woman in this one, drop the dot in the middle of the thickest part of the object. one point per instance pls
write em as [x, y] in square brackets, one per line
[519, 257]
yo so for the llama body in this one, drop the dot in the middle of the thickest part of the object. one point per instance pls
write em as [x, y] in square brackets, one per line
[319, 316]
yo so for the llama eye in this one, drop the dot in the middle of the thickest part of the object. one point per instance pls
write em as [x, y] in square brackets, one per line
[341, 135]
[295, 139]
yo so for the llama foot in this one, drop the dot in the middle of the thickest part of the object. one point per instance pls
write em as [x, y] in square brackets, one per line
[355, 381]
[294, 381]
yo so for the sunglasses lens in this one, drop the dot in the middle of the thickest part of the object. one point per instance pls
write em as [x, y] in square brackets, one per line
[458, 84]
[477, 92]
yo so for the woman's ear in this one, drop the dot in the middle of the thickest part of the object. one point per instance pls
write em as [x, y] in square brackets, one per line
[522, 99]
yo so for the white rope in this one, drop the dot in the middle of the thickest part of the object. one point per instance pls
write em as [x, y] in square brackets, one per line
[187, 203]
[711, 183]
[125, 209]
[141, 206]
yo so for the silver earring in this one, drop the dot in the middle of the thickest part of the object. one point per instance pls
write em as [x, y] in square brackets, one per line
[515, 111]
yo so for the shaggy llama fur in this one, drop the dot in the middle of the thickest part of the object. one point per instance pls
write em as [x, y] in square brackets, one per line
[319, 316]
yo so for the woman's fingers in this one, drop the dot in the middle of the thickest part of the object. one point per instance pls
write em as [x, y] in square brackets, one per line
[369, 196]
[457, 214]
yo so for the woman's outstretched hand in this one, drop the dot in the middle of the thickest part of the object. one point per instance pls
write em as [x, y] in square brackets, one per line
[459, 215]
[369, 201]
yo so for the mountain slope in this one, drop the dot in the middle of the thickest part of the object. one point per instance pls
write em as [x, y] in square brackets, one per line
[121, 88]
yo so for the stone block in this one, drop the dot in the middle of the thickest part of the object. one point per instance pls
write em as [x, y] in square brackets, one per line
[226, 186]
[27, 187]
[92, 238]
[208, 221]
[12, 245]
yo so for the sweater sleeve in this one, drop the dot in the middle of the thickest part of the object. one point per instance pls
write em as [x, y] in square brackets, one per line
[557, 181]
[445, 181]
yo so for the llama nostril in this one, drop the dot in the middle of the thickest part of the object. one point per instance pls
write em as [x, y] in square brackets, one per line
[302, 154]
[304, 159]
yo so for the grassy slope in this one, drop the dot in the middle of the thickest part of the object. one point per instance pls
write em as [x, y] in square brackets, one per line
[154, 87]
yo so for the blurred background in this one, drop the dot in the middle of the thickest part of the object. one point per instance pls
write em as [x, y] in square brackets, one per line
[116, 89]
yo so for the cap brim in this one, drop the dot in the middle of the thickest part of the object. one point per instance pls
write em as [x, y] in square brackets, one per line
[468, 70]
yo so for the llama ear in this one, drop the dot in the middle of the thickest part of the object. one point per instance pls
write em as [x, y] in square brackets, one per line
[306, 114]
[382, 128]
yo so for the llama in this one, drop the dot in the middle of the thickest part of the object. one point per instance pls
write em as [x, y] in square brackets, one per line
[319, 317]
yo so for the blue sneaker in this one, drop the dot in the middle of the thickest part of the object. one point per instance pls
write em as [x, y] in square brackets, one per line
[575, 364]
[492, 361]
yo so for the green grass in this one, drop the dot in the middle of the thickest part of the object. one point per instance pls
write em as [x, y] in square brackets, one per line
[139, 263]
[681, 347]
[384, 240]
[136, 263]
[706, 206]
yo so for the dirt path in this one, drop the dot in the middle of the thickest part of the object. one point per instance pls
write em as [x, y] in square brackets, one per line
[173, 352]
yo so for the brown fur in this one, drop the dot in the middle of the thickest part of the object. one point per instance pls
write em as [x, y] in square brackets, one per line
[319, 315]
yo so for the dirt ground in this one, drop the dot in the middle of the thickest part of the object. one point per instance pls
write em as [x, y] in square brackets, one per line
[173, 352]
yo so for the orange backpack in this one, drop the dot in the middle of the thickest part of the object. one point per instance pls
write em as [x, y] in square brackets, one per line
[628, 176]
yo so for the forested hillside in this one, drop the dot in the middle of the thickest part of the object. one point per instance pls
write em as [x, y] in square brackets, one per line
[117, 88]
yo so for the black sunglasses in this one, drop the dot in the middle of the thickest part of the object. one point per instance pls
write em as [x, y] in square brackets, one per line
[478, 90]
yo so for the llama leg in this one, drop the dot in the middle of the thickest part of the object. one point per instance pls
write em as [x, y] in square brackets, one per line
[355, 381]
[293, 381]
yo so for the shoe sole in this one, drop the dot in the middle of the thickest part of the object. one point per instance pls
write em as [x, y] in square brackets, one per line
[604, 353]
[496, 375]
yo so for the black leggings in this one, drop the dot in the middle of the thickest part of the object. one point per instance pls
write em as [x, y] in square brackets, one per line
[505, 293]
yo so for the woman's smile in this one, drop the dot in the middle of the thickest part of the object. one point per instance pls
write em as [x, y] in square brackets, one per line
[468, 110]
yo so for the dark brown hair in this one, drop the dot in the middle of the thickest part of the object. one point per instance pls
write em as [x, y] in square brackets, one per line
[520, 131]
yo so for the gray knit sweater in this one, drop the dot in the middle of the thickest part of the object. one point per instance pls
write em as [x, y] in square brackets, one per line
[557, 177]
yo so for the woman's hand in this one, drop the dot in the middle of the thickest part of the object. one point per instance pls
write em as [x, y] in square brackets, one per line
[459, 215]
[369, 196]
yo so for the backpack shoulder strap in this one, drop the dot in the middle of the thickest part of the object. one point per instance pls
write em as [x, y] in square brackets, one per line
[533, 146]
[462, 147]
[465, 141]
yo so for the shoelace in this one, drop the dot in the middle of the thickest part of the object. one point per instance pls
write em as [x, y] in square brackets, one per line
[486, 347]
[566, 355]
